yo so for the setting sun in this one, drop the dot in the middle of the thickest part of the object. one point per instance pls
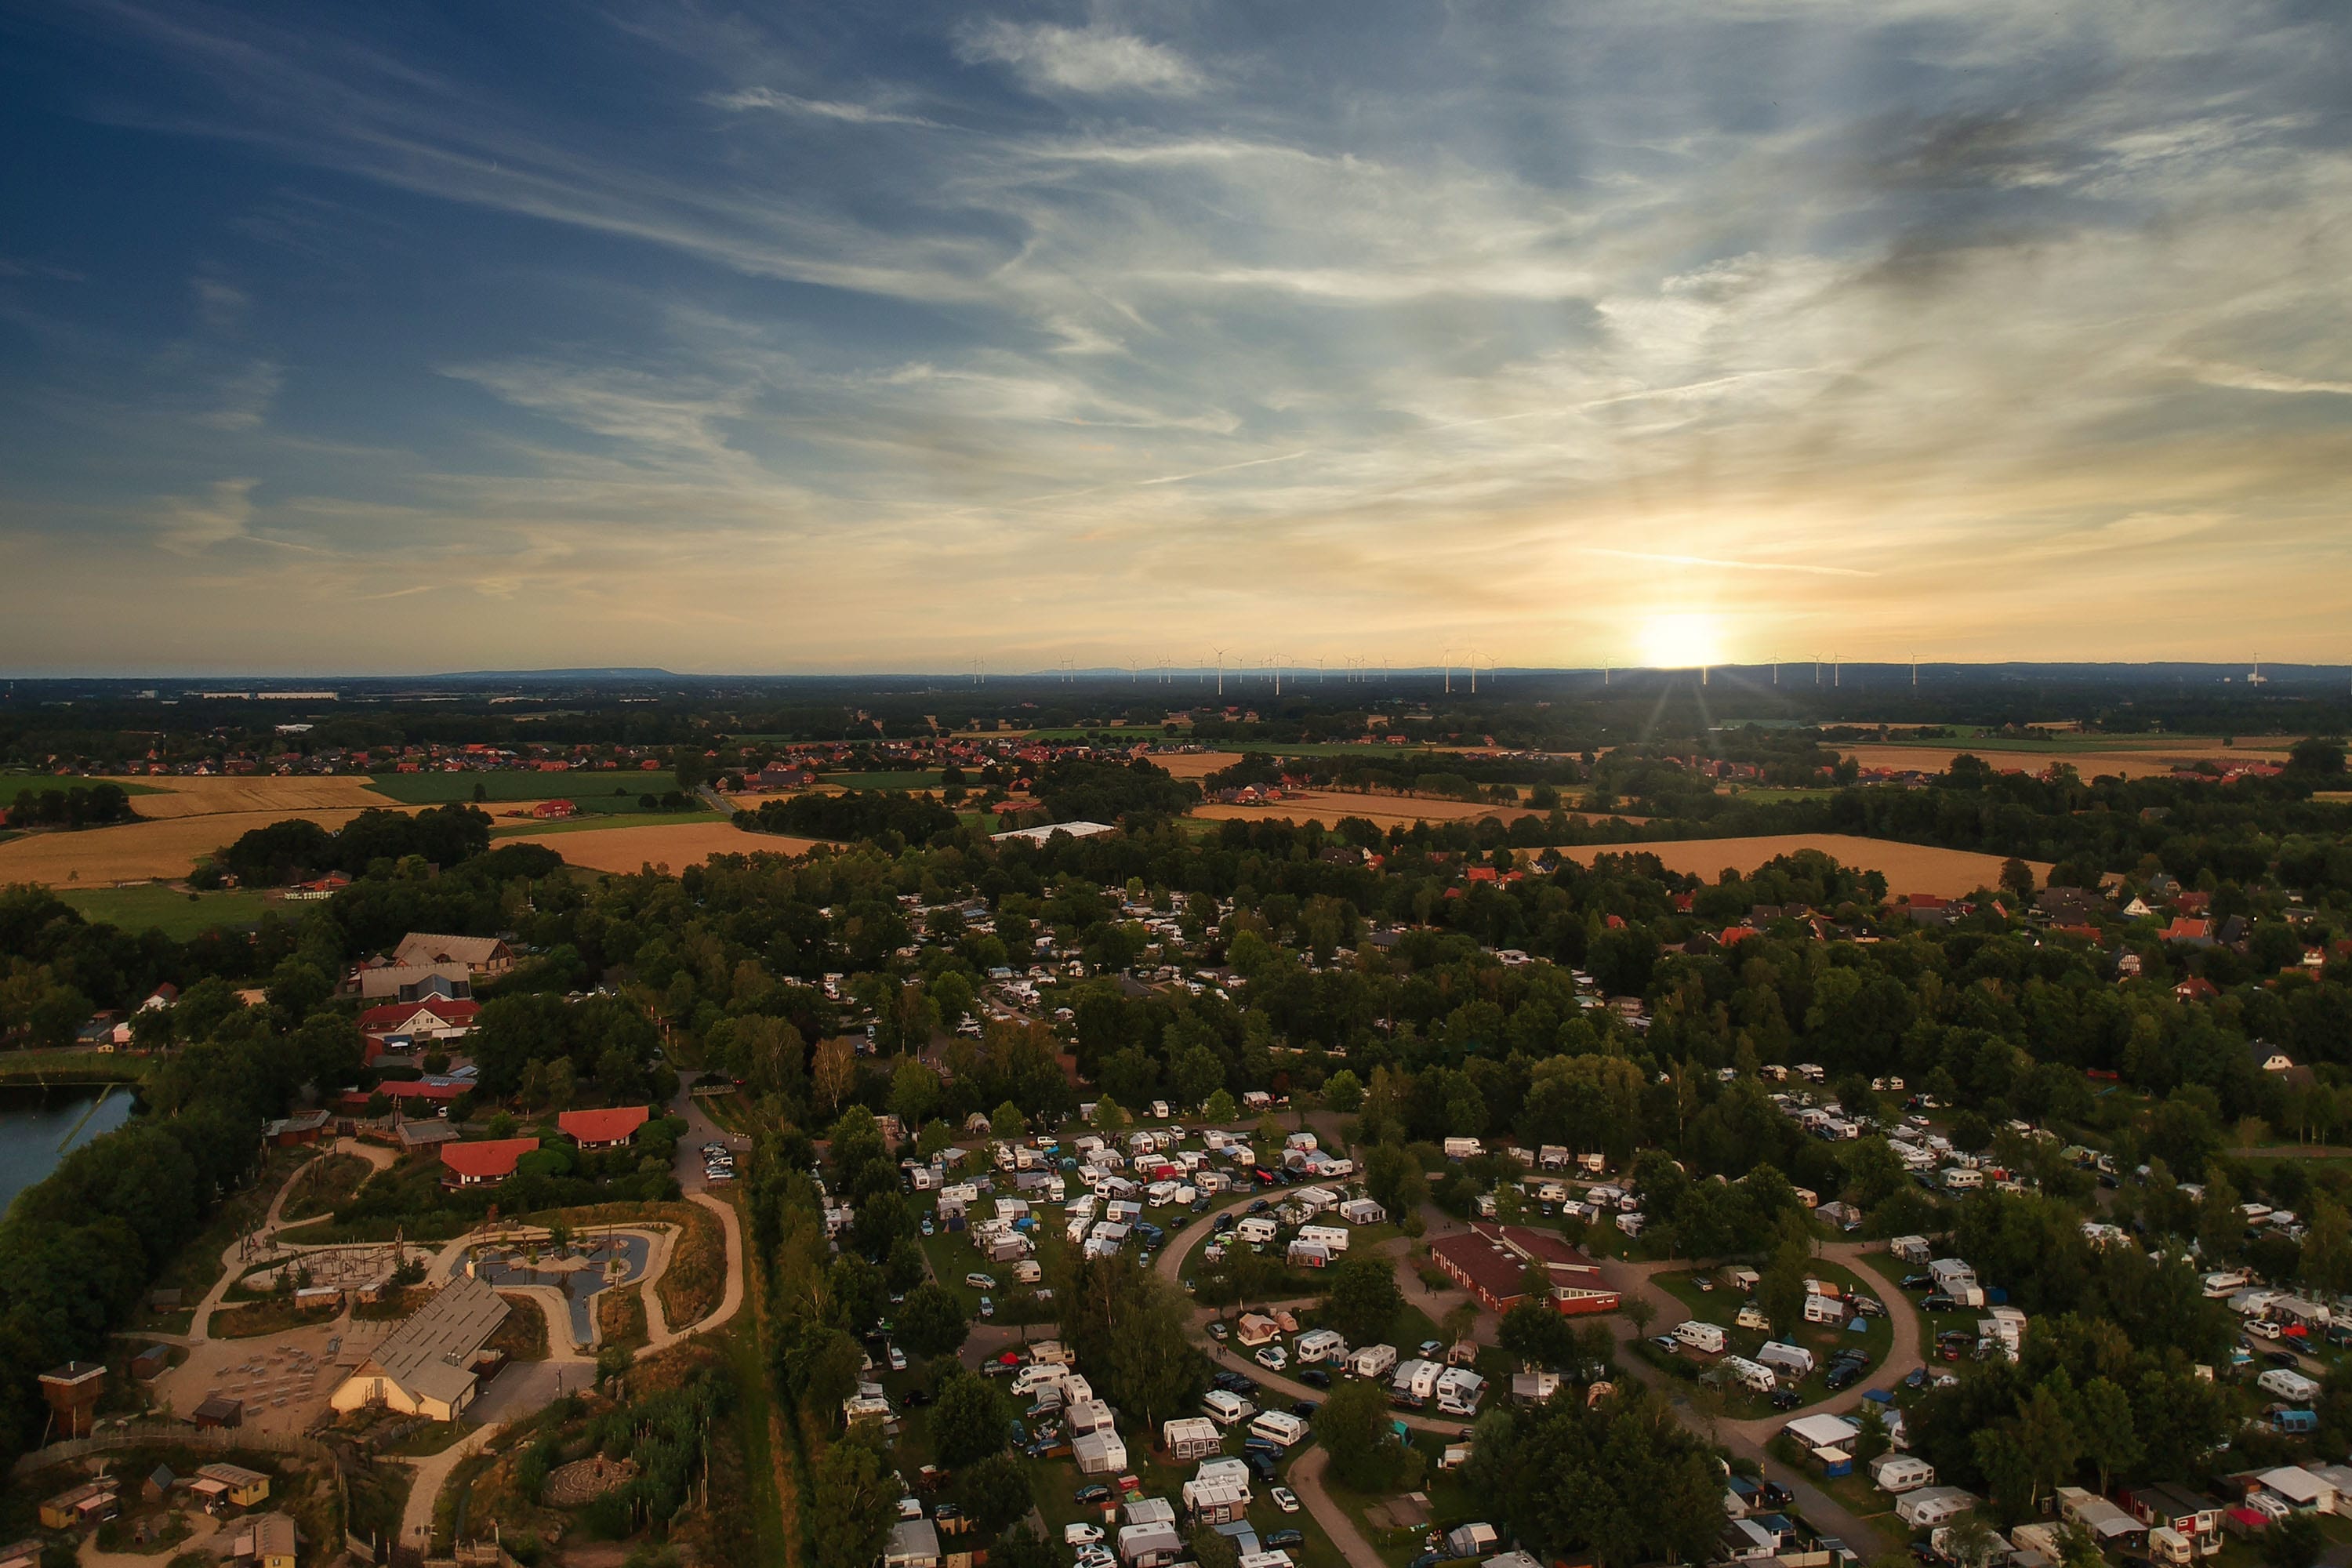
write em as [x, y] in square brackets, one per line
[1681, 641]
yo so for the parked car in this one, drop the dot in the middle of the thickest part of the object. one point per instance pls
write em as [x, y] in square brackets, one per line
[987, 1308]
[1273, 1358]
[1666, 1342]
[1315, 1377]
[1082, 1534]
[1304, 1409]
[1786, 1399]
[1937, 1303]
[1276, 1539]
[897, 1359]
[1285, 1499]
[1217, 1332]
[1094, 1493]
[979, 1281]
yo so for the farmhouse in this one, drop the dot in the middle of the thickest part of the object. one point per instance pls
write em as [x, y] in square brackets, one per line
[479, 956]
[480, 1164]
[603, 1129]
[426, 1366]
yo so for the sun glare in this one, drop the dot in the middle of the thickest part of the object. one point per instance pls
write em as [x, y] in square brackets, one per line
[1681, 641]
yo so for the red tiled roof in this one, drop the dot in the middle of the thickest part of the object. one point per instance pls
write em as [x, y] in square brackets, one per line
[492, 1159]
[391, 1016]
[1496, 1272]
[602, 1126]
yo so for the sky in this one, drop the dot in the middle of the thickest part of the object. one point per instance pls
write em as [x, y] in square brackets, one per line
[900, 337]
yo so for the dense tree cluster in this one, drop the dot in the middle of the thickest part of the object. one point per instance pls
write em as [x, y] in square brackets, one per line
[75, 805]
[298, 848]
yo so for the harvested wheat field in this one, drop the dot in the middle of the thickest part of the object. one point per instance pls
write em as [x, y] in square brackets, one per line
[672, 847]
[138, 851]
[180, 797]
[2135, 760]
[1328, 805]
[1909, 868]
[1196, 764]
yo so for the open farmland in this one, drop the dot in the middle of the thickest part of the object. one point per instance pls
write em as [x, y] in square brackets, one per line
[2127, 756]
[162, 798]
[1328, 805]
[591, 790]
[674, 846]
[1909, 868]
[141, 851]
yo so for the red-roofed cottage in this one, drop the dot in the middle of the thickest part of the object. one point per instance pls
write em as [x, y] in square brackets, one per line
[480, 1164]
[603, 1129]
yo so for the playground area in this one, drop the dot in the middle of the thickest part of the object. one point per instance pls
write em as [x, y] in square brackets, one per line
[577, 1274]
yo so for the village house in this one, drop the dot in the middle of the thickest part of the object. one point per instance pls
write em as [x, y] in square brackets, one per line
[479, 956]
[1492, 1263]
[611, 1128]
[481, 1163]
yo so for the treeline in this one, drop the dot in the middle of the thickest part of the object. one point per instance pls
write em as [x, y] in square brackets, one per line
[298, 848]
[78, 805]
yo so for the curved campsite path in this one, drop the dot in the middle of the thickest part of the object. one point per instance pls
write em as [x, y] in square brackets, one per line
[1305, 1476]
[1169, 1267]
[1748, 1438]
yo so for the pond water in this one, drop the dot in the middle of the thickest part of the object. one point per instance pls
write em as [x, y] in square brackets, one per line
[40, 1126]
[582, 1274]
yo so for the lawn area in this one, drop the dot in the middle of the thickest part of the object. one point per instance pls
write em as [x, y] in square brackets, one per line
[72, 1066]
[155, 907]
[590, 790]
[1722, 1306]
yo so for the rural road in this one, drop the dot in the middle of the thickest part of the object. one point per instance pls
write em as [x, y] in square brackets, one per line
[1305, 1478]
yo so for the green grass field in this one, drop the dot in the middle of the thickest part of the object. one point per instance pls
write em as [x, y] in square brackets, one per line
[913, 780]
[11, 783]
[155, 907]
[589, 790]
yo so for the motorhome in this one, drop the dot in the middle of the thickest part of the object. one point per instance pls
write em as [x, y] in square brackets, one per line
[1783, 1357]
[1333, 1238]
[1278, 1426]
[1227, 1409]
[1372, 1360]
[1753, 1376]
[2289, 1384]
[1459, 1389]
[1320, 1344]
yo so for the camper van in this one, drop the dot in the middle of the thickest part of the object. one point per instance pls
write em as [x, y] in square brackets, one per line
[1783, 1357]
[1257, 1230]
[1320, 1344]
[1750, 1376]
[1227, 1409]
[1278, 1426]
[1901, 1473]
[1825, 1310]
[1707, 1337]
[1372, 1360]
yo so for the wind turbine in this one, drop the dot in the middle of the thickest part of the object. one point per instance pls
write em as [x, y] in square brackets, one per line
[1221, 672]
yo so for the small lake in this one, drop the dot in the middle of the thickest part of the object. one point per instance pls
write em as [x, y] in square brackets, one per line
[38, 1127]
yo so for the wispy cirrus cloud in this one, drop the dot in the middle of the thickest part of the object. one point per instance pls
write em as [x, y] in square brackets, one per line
[1095, 59]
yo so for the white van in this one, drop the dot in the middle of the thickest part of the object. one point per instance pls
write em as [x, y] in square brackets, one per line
[1278, 1426]
[1225, 1409]
[1707, 1337]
